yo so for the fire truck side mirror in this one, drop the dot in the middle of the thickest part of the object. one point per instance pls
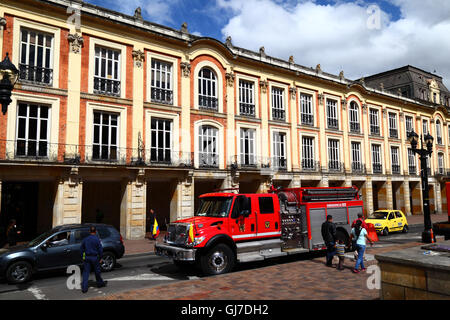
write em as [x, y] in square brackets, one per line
[245, 213]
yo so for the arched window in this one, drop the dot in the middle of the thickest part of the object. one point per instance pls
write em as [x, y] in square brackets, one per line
[207, 89]
[354, 117]
[438, 132]
[208, 143]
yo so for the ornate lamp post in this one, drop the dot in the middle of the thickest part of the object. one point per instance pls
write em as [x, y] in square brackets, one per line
[8, 77]
[413, 138]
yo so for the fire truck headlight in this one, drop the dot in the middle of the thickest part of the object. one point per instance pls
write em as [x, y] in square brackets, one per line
[198, 240]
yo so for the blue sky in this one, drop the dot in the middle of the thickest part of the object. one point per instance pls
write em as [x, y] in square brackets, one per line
[339, 34]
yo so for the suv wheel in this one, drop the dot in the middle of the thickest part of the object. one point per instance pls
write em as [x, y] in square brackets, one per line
[220, 259]
[109, 261]
[19, 272]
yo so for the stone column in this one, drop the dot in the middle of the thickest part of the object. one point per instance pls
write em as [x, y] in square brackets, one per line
[133, 207]
[138, 100]
[348, 182]
[182, 204]
[417, 199]
[185, 103]
[389, 194]
[324, 182]
[367, 193]
[263, 109]
[437, 197]
[68, 201]
[406, 196]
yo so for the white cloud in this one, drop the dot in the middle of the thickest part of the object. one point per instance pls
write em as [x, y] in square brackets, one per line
[338, 37]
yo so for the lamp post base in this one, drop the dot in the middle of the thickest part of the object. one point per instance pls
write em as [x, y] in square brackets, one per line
[428, 236]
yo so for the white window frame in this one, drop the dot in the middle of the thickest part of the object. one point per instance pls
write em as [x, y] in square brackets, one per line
[109, 144]
[374, 120]
[354, 115]
[103, 66]
[20, 23]
[332, 112]
[174, 75]
[255, 93]
[38, 127]
[439, 132]
[392, 120]
[441, 162]
[93, 43]
[334, 151]
[219, 85]
[356, 155]
[306, 107]
[411, 160]
[167, 144]
[377, 157]
[395, 157]
[278, 101]
[247, 135]
[279, 149]
[220, 142]
[308, 152]
[246, 96]
[409, 117]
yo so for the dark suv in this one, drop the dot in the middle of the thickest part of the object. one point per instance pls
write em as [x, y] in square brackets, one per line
[58, 249]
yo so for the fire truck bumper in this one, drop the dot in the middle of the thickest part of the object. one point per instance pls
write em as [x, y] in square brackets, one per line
[176, 253]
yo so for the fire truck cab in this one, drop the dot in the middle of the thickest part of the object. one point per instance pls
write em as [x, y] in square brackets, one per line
[229, 228]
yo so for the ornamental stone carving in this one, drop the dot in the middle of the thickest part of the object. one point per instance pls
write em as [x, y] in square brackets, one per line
[138, 14]
[344, 103]
[184, 28]
[2, 22]
[138, 57]
[263, 84]
[76, 42]
[293, 92]
[186, 69]
[228, 42]
[229, 76]
[262, 52]
[321, 98]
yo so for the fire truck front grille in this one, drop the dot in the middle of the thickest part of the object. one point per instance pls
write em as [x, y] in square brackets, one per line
[177, 233]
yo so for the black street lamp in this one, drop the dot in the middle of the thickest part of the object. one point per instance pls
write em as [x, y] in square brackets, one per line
[413, 138]
[8, 78]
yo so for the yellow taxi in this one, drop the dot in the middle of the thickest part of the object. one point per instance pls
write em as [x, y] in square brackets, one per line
[386, 221]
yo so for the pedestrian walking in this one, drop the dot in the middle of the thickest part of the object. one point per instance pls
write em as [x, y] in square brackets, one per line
[364, 225]
[360, 234]
[92, 251]
[340, 250]
[12, 233]
[329, 237]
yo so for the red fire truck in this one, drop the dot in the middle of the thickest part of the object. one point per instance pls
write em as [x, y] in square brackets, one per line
[229, 228]
[443, 228]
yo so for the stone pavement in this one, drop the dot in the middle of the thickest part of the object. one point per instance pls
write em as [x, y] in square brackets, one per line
[294, 279]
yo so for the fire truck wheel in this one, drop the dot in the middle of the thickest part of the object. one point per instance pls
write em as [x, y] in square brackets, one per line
[218, 260]
[385, 231]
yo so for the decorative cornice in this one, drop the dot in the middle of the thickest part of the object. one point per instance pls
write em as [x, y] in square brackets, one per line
[186, 68]
[138, 57]
[76, 42]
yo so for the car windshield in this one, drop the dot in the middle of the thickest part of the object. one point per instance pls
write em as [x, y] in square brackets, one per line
[214, 207]
[379, 215]
[40, 238]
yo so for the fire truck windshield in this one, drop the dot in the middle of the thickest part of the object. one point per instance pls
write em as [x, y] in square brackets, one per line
[214, 207]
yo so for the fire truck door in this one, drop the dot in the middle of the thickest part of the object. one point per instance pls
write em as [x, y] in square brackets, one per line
[267, 219]
[243, 219]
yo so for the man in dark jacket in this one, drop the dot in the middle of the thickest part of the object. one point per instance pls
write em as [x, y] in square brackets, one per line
[329, 237]
[92, 251]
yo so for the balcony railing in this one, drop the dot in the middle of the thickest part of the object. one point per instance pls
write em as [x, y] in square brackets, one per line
[307, 119]
[31, 151]
[246, 109]
[208, 103]
[412, 169]
[335, 166]
[440, 171]
[377, 168]
[355, 127]
[393, 133]
[254, 162]
[310, 165]
[395, 169]
[207, 160]
[358, 167]
[162, 96]
[439, 140]
[278, 114]
[108, 87]
[35, 74]
[333, 123]
[374, 130]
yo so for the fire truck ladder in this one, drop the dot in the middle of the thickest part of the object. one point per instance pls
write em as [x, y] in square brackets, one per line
[329, 194]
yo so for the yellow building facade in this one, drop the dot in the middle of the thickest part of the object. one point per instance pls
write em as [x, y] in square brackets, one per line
[114, 114]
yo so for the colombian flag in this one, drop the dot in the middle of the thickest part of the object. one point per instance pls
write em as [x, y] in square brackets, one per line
[155, 231]
[191, 234]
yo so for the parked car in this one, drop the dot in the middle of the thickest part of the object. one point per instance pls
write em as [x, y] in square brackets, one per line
[58, 249]
[386, 221]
